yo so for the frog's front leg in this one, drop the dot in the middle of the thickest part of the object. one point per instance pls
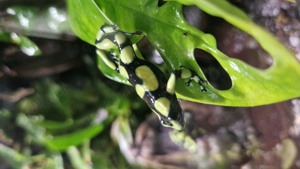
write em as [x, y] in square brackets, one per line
[184, 73]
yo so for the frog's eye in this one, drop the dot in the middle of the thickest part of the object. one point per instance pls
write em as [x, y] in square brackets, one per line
[166, 123]
[171, 123]
[176, 125]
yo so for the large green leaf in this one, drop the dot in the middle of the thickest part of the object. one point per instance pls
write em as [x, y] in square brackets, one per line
[176, 40]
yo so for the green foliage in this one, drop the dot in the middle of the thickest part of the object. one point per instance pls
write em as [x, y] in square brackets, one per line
[38, 21]
[32, 21]
[26, 45]
[176, 40]
[51, 120]
[15, 159]
[57, 117]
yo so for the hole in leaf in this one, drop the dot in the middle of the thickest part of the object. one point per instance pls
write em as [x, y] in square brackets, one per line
[160, 3]
[212, 69]
[238, 44]
[230, 40]
[137, 33]
[149, 52]
[194, 16]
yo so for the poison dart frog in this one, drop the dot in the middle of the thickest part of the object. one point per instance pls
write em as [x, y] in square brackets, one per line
[148, 80]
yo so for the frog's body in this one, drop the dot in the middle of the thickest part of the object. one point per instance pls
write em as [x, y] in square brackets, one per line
[148, 80]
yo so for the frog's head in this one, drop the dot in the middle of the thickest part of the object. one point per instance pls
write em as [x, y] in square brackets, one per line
[104, 31]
